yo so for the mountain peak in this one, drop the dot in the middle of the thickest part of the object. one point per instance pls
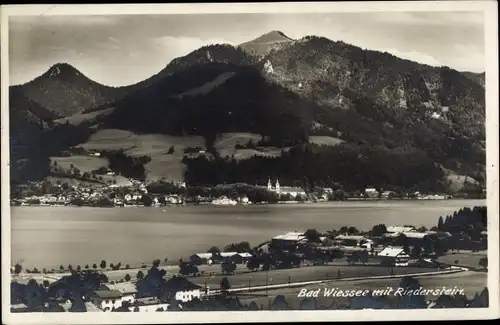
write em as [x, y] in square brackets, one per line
[264, 43]
[272, 36]
[62, 69]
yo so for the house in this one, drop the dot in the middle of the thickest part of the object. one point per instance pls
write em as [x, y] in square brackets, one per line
[285, 190]
[127, 289]
[149, 308]
[241, 258]
[387, 194]
[201, 258]
[397, 229]
[107, 300]
[180, 288]
[352, 240]
[288, 240]
[371, 192]
[394, 256]
[349, 250]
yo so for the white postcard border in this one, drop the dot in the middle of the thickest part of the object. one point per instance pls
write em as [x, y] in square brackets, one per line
[491, 66]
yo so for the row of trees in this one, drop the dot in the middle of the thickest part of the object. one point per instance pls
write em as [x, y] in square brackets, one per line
[354, 166]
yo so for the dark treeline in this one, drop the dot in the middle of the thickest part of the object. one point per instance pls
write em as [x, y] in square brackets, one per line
[467, 227]
[309, 165]
[126, 165]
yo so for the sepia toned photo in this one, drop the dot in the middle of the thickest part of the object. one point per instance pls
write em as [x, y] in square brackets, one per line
[274, 158]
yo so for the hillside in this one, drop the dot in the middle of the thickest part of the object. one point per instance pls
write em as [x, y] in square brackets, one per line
[476, 77]
[317, 112]
[210, 99]
[378, 99]
[64, 91]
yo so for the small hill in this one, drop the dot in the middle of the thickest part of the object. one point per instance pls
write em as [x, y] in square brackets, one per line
[64, 91]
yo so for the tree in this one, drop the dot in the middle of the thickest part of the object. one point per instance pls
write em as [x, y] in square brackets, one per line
[156, 263]
[103, 264]
[440, 223]
[312, 235]
[379, 230]
[127, 277]
[112, 266]
[228, 267]
[46, 283]
[353, 231]
[94, 266]
[18, 268]
[415, 251]
[140, 275]
[61, 267]
[171, 150]
[214, 250]
[483, 262]
[146, 200]
[78, 267]
[224, 284]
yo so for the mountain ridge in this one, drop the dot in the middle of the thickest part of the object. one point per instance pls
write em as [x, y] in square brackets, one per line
[312, 86]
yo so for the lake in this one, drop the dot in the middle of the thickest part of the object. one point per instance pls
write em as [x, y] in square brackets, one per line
[50, 236]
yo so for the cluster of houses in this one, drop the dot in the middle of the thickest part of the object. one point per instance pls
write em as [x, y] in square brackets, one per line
[112, 296]
[373, 193]
[350, 245]
[141, 296]
[215, 258]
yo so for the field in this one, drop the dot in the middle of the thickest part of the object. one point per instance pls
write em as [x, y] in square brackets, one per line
[209, 86]
[72, 181]
[302, 274]
[162, 164]
[83, 163]
[226, 142]
[465, 259]
[324, 140]
[79, 118]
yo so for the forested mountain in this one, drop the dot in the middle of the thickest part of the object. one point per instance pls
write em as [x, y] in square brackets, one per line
[402, 123]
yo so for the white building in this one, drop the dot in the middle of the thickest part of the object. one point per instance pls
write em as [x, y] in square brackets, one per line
[283, 190]
[371, 192]
[127, 289]
[107, 300]
[149, 308]
[188, 295]
[394, 256]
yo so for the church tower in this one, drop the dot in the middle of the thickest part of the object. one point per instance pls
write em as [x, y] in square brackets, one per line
[269, 185]
[277, 186]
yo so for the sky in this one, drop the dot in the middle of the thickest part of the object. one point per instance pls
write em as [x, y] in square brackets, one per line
[121, 50]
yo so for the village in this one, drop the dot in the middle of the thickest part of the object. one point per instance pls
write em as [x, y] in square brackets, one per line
[218, 276]
[133, 192]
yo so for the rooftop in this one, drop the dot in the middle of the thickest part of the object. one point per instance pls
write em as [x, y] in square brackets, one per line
[124, 287]
[351, 237]
[391, 251]
[203, 255]
[399, 229]
[108, 294]
[179, 283]
[292, 236]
